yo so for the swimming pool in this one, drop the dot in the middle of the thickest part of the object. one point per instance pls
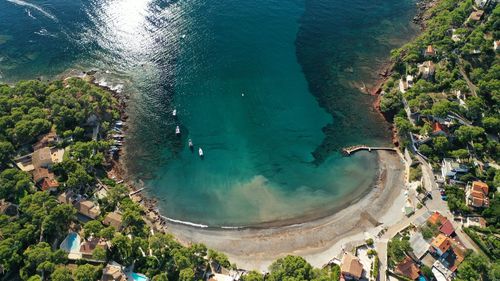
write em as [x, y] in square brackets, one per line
[71, 243]
[421, 278]
[139, 277]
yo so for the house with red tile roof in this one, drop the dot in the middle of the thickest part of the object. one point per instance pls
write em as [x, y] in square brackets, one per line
[88, 247]
[476, 195]
[429, 51]
[439, 130]
[408, 268]
[444, 225]
[441, 244]
[447, 228]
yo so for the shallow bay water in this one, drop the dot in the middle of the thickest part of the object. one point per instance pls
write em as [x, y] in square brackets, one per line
[266, 88]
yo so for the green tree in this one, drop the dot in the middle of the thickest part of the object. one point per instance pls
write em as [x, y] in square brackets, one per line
[219, 258]
[475, 107]
[253, 276]
[425, 149]
[491, 124]
[441, 144]
[6, 152]
[460, 153]
[107, 233]
[100, 254]
[442, 108]
[14, 184]
[49, 217]
[187, 274]
[160, 277]
[466, 134]
[92, 228]
[9, 254]
[61, 273]
[122, 249]
[87, 272]
[290, 268]
[397, 249]
[403, 125]
[474, 267]
[40, 259]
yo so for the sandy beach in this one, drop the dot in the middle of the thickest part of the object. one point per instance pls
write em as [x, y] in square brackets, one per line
[318, 241]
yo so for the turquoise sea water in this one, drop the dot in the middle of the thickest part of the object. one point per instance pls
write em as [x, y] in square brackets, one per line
[268, 89]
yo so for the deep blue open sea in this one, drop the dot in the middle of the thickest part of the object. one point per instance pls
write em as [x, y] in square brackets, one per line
[269, 89]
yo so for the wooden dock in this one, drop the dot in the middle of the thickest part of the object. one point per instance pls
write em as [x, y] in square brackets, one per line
[347, 151]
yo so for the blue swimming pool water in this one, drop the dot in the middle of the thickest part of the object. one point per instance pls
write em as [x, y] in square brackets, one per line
[73, 242]
[421, 278]
[139, 277]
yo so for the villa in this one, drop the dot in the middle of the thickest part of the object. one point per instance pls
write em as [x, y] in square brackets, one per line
[113, 272]
[451, 169]
[88, 209]
[441, 244]
[439, 130]
[444, 225]
[408, 268]
[426, 70]
[66, 197]
[39, 163]
[475, 221]
[45, 179]
[113, 219]
[88, 247]
[476, 15]
[350, 268]
[47, 140]
[429, 51]
[476, 195]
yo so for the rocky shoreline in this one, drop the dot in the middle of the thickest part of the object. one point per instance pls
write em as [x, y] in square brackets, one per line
[117, 169]
[385, 71]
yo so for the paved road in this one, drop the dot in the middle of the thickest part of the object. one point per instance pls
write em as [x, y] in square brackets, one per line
[472, 87]
[434, 204]
[437, 204]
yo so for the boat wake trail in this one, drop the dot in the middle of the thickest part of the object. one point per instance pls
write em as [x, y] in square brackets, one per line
[33, 6]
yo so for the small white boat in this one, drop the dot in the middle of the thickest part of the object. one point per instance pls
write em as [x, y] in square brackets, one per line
[174, 112]
[200, 152]
[190, 143]
[177, 130]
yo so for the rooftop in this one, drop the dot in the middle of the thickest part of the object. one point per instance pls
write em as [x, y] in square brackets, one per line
[351, 265]
[113, 219]
[408, 268]
[441, 242]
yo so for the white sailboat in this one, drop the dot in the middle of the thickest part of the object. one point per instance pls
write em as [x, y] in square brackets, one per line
[174, 112]
[200, 152]
[177, 130]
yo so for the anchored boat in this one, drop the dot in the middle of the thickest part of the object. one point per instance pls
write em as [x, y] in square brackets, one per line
[177, 130]
[200, 152]
[190, 143]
